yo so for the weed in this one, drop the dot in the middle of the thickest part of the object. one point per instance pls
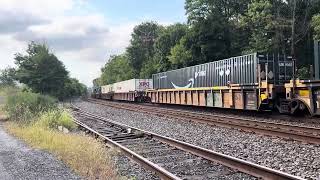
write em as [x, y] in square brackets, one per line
[24, 106]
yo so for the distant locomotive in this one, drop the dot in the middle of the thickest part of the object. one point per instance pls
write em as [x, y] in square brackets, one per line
[250, 82]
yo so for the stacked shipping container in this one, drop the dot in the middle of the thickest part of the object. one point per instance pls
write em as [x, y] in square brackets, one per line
[242, 70]
[132, 85]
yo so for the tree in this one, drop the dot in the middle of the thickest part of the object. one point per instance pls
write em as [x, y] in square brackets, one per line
[7, 76]
[316, 26]
[168, 38]
[141, 48]
[116, 69]
[259, 20]
[73, 88]
[213, 23]
[180, 56]
[43, 73]
[41, 70]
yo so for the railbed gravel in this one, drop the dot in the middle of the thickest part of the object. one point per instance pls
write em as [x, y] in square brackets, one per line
[252, 115]
[131, 170]
[285, 155]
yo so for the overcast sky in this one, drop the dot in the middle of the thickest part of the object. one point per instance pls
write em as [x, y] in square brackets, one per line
[82, 33]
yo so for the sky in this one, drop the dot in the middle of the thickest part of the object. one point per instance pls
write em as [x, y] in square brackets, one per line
[81, 33]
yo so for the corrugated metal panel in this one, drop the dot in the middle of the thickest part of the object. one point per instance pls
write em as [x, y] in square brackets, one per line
[236, 70]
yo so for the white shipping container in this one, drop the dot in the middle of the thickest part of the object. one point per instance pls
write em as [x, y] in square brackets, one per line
[107, 88]
[128, 86]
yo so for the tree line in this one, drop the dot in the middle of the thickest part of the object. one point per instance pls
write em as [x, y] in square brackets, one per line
[218, 29]
[40, 71]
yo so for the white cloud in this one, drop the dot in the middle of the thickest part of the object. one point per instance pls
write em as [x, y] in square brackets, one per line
[83, 42]
[37, 7]
[9, 46]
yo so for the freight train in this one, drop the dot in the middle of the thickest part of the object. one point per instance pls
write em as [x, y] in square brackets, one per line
[261, 82]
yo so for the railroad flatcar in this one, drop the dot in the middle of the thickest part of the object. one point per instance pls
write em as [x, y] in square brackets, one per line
[261, 82]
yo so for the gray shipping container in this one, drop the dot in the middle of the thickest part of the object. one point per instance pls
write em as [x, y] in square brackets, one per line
[241, 70]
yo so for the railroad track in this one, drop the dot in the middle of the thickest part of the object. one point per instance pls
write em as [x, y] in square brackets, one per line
[169, 158]
[286, 131]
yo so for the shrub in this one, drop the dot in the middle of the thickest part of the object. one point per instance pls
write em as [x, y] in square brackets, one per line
[24, 106]
[8, 90]
[53, 119]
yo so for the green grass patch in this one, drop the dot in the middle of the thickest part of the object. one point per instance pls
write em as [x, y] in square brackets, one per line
[85, 155]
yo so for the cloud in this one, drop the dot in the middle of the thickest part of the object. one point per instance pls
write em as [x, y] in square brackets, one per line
[82, 39]
[44, 8]
[71, 33]
[11, 22]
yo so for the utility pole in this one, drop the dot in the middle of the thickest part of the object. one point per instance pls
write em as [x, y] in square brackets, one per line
[293, 29]
[293, 54]
[316, 59]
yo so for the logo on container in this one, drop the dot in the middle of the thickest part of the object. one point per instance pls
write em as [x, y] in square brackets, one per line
[191, 80]
[144, 84]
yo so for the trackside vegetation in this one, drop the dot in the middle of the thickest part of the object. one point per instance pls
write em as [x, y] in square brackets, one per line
[36, 119]
[40, 71]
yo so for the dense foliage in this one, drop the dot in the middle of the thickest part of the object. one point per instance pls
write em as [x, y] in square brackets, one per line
[218, 29]
[43, 73]
[23, 106]
[316, 25]
[7, 77]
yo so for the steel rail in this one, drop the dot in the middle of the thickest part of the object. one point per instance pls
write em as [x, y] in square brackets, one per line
[232, 162]
[286, 131]
[164, 174]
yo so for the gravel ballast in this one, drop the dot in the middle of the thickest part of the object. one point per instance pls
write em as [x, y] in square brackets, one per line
[132, 170]
[285, 155]
[18, 161]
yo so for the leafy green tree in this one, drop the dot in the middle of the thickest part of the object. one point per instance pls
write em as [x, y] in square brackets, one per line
[73, 88]
[168, 38]
[179, 55]
[316, 26]
[116, 69]
[260, 22]
[213, 23]
[7, 77]
[141, 48]
[43, 73]
[41, 70]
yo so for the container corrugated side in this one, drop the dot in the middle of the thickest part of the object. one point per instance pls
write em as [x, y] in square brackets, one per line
[132, 85]
[124, 86]
[237, 70]
[107, 89]
[242, 70]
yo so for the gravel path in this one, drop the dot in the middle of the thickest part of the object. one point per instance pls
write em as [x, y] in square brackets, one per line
[18, 161]
[288, 156]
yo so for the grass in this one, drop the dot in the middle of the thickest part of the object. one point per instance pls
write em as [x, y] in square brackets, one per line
[85, 155]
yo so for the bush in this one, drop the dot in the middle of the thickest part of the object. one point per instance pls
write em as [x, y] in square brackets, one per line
[24, 106]
[8, 90]
[55, 118]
